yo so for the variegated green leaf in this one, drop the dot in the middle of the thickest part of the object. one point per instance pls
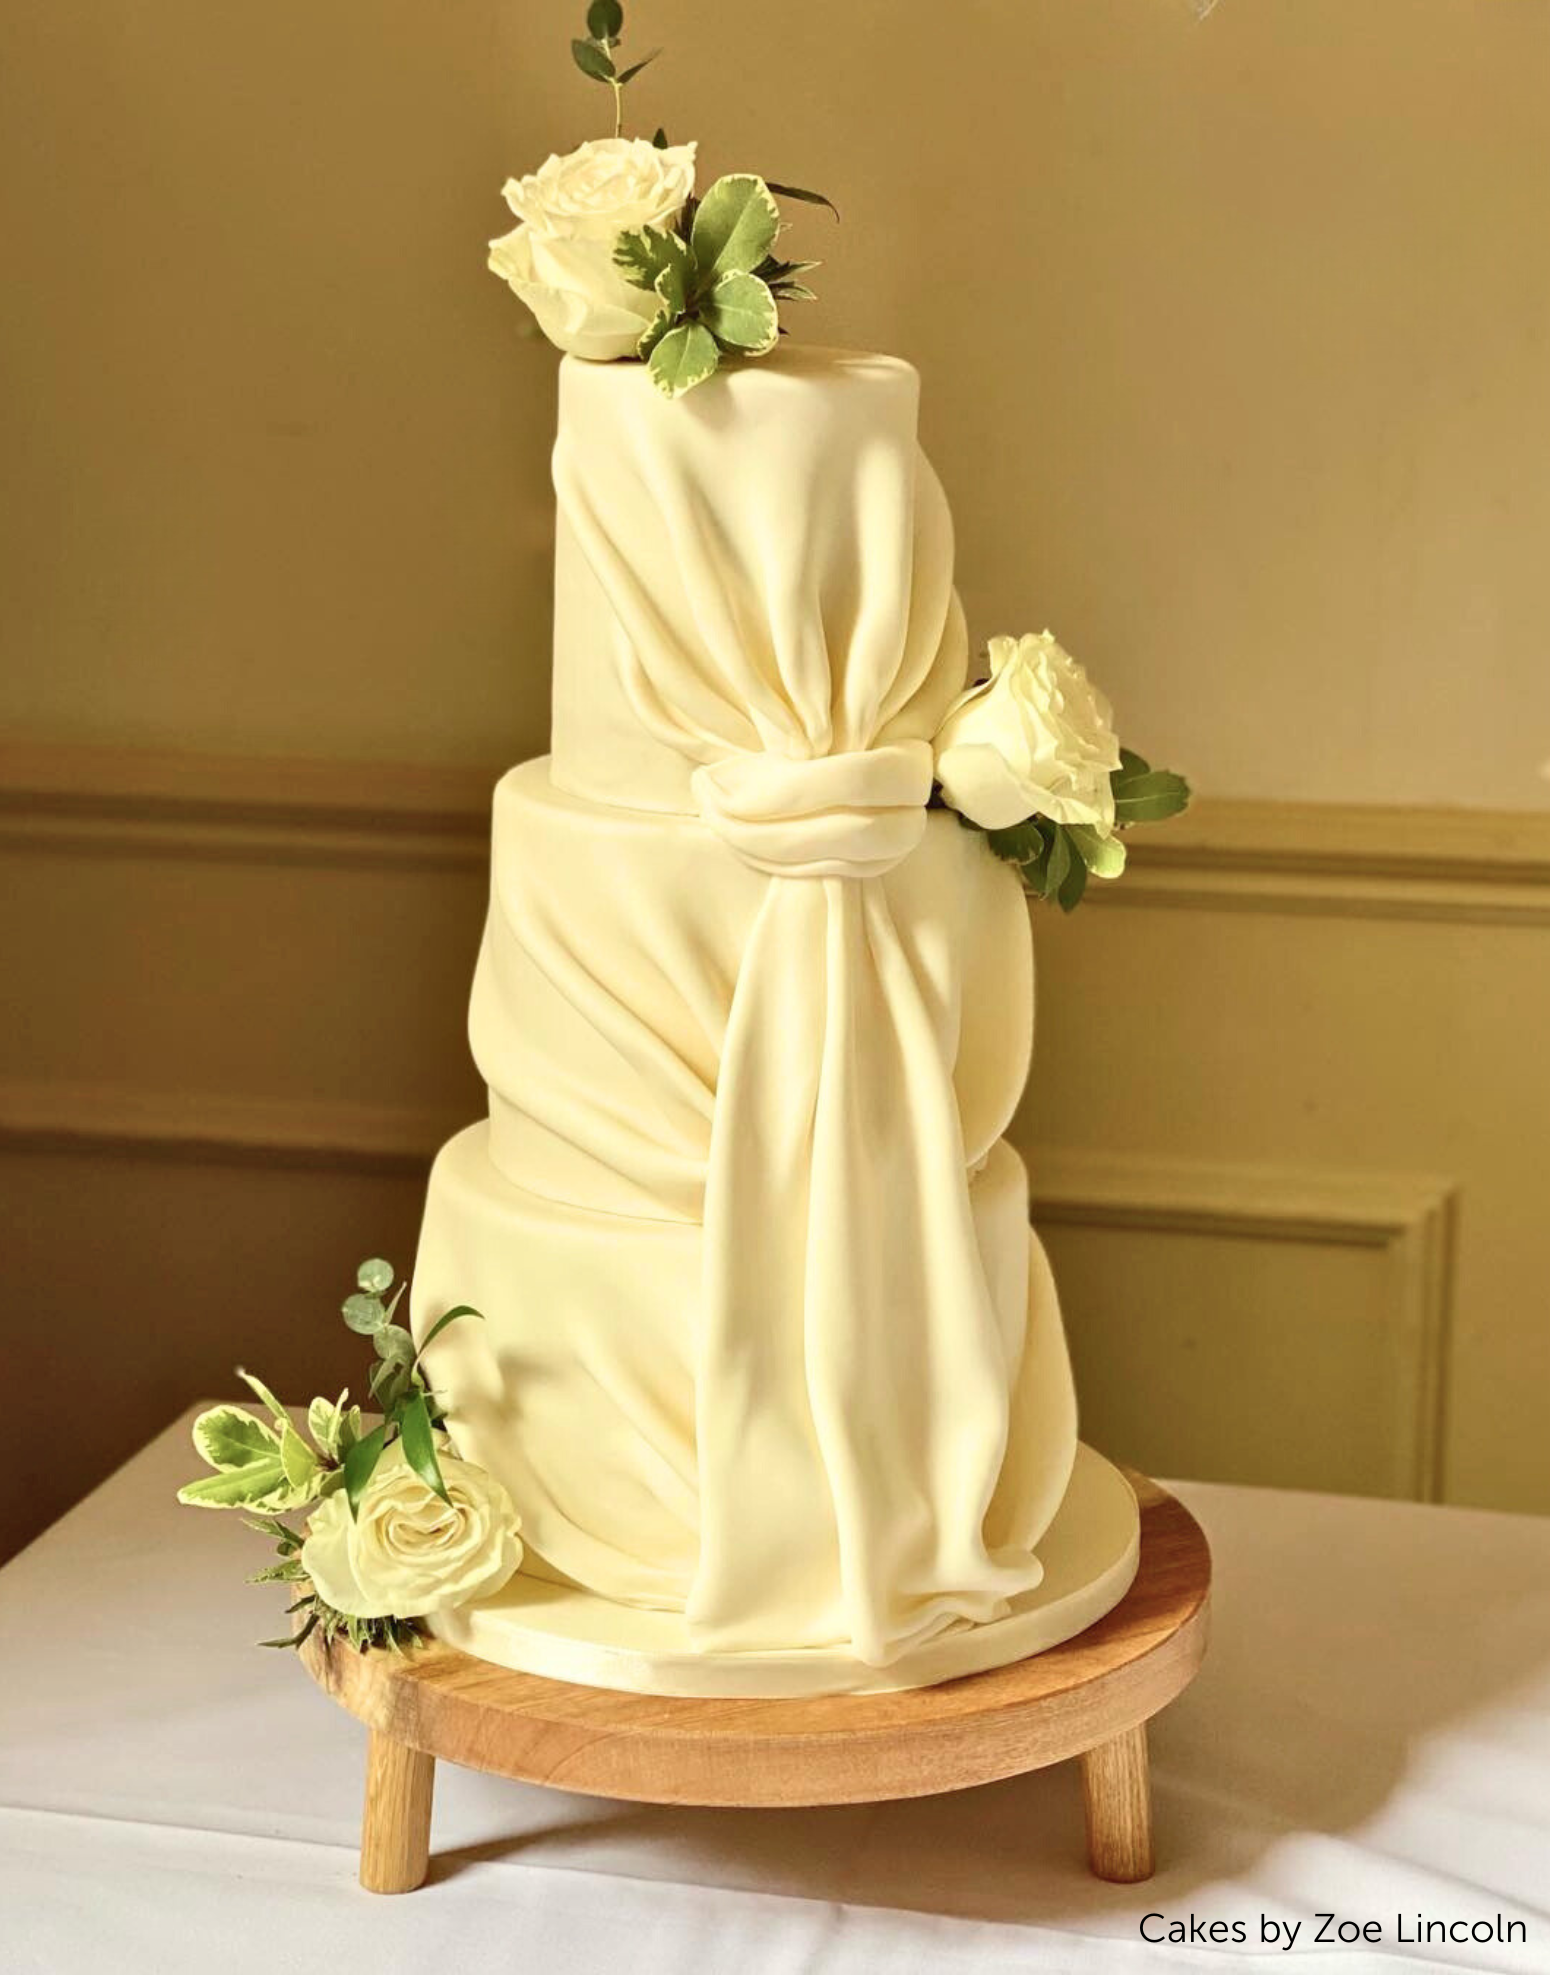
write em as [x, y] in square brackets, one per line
[734, 227]
[672, 286]
[740, 313]
[300, 1464]
[649, 256]
[325, 1418]
[686, 356]
[261, 1484]
[231, 1437]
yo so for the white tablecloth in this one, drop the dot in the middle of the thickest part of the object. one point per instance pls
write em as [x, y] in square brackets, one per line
[1370, 1737]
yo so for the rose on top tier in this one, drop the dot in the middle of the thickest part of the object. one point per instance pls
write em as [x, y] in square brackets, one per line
[1034, 739]
[559, 261]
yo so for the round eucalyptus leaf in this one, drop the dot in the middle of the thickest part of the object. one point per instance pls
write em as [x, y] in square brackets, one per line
[364, 1314]
[394, 1344]
[375, 1276]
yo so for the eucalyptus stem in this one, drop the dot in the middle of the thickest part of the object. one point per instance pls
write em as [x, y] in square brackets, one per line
[609, 45]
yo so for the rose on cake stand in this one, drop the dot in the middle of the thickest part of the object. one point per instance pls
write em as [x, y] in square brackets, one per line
[397, 1529]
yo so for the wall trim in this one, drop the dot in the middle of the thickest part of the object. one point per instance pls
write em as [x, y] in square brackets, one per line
[1458, 865]
[1408, 1218]
[334, 1134]
[1454, 865]
[140, 802]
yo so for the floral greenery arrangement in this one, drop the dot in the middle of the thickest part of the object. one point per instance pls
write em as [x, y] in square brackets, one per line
[1029, 755]
[616, 257]
[397, 1528]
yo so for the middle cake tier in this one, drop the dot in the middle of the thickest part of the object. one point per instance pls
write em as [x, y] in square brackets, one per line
[611, 954]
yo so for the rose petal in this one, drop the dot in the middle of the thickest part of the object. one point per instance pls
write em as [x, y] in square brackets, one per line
[325, 1557]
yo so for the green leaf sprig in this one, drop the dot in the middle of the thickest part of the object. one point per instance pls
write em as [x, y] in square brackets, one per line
[1055, 860]
[717, 280]
[267, 1466]
[594, 55]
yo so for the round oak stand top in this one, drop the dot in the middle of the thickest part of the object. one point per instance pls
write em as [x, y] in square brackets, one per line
[844, 1748]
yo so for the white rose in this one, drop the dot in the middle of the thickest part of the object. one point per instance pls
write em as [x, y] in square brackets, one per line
[409, 1553]
[573, 209]
[1034, 739]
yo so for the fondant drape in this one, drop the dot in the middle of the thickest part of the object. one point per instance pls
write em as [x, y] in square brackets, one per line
[792, 635]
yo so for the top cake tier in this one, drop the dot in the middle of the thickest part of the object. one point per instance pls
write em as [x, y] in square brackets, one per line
[761, 566]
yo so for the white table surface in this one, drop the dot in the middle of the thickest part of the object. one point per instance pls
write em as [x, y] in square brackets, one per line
[1370, 1737]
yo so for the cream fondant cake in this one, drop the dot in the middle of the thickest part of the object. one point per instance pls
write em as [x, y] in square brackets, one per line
[771, 1362]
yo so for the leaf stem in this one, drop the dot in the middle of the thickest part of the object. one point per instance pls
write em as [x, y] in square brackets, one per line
[609, 45]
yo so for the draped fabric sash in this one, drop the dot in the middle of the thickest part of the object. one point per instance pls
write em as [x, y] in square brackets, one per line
[851, 1371]
[852, 1375]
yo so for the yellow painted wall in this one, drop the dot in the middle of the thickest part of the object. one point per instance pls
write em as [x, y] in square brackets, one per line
[1235, 335]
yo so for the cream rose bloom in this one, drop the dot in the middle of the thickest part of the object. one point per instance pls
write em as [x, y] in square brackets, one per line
[1034, 739]
[573, 209]
[409, 1553]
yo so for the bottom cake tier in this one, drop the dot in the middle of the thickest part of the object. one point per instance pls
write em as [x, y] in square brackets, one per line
[578, 1392]
[1090, 1554]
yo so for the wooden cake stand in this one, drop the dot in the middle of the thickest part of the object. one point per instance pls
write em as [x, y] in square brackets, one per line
[1090, 1698]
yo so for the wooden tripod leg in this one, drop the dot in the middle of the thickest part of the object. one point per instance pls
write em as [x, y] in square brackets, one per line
[396, 1824]
[1117, 1797]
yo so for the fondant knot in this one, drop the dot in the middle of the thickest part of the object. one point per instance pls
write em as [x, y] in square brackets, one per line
[834, 816]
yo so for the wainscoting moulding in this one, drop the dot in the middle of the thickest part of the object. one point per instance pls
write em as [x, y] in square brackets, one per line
[1461, 865]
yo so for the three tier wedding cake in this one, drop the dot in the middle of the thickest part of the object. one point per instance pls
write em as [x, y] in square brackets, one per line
[772, 1364]
[733, 1364]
